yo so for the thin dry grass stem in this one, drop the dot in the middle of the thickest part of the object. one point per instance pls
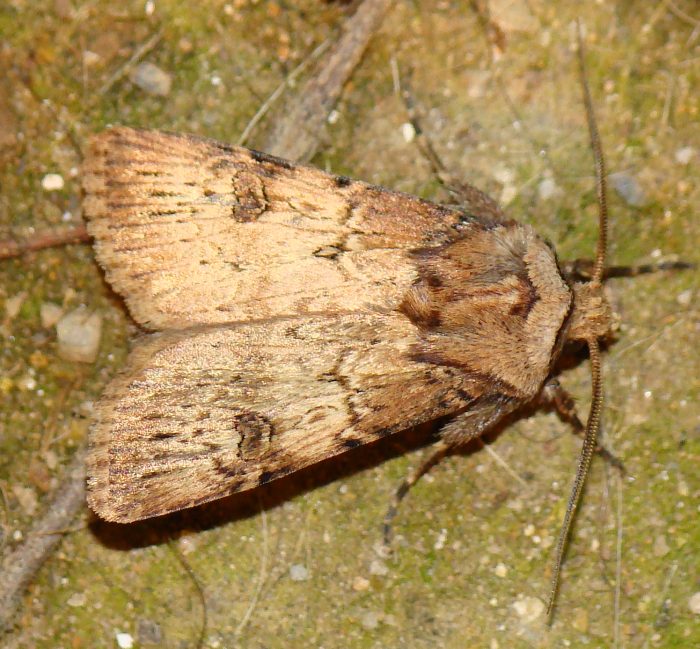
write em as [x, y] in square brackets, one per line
[501, 462]
[262, 575]
[277, 92]
[618, 563]
[138, 54]
[198, 589]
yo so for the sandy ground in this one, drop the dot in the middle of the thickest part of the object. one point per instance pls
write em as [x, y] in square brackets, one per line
[296, 563]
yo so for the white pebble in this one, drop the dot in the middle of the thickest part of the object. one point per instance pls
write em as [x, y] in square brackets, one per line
[685, 298]
[548, 188]
[440, 542]
[52, 182]
[685, 154]
[504, 175]
[125, 640]
[378, 568]
[500, 570]
[50, 314]
[370, 620]
[151, 79]
[77, 600]
[27, 499]
[528, 609]
[408, 131]
[78, 335]
[360, 584]
[297, 572]
[14, 303]
[694, 603]
[628, 188]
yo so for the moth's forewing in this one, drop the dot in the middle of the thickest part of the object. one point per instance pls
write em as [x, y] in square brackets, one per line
[192, 231]
[302, 314]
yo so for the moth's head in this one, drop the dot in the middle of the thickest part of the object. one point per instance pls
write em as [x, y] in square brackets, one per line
[592, 316]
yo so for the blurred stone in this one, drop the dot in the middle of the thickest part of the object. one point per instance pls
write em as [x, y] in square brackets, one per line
[26, 497]
[685, 154]
[79, 335]
[50, 314]
[528, 609]
[151, 79]
[149, 632]
[548, 188]
[661, 548]
[13, 304]
[297, 572]
[628, 188]
[52, 182]
[694, 603]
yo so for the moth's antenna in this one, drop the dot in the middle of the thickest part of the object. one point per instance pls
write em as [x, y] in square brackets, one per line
[593, 423]
[601, 181]
[584, 462]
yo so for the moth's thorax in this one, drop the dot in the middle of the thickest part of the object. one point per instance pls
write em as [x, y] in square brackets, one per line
[493, 303]
[591, 315]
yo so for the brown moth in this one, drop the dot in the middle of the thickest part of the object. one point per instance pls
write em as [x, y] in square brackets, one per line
[297, 314]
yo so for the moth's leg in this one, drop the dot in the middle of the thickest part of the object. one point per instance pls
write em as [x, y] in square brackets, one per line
[435, 454]
[580, 270]
[457, 432]
[475, 201]
[554, 396]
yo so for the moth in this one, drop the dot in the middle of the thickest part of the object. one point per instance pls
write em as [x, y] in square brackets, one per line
[295, 314]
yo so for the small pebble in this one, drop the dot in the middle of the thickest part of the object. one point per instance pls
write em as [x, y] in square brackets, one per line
[360, 584]
[26, 497]
[378, 568]
[685, 298]
[685, 154]
[151, 79]
[78, 335]
[124, 640]
[500, 570]
[13, 304]
[548, 189]
[628, 188]
[333, 117]
[26, 382]
[50, 314]
[408, 131]
[694, 603]
[440, 541]
[149, 632]
[504, 175]
[52, 182]
[528, 609]
[90, 58]
[370, 620]
[77, 600]
[580, 620]
[661, 548]
[297, 572]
